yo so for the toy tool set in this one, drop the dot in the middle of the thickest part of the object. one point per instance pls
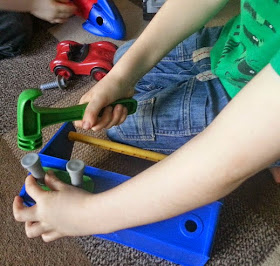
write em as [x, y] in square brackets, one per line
[186, 239]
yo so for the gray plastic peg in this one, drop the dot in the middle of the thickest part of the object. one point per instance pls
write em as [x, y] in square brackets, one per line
[75, 169]
[32, 163]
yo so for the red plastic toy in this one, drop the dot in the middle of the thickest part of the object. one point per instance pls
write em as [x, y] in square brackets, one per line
[94, 59]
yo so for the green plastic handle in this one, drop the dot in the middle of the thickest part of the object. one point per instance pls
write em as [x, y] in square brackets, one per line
[31, 118]
[50, 116]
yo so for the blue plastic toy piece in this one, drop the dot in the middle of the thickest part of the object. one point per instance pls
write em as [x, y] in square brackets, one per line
[186, 239]
[105, 20]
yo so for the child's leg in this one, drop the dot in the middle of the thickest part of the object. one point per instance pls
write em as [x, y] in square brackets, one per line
[177, 99]
[15, 33]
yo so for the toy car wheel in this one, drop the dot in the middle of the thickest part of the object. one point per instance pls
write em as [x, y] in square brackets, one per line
[63, 71]
[98, 73]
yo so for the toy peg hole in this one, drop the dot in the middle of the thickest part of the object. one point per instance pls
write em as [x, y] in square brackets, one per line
[99, 21]
[190, 226]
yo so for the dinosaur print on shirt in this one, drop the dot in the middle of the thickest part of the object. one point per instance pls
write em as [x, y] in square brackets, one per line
[248, 43]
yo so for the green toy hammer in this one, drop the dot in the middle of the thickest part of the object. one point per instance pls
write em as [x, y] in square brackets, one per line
[32, 119]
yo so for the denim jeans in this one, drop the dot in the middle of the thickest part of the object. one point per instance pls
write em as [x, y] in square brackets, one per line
[15, 33]
[177, 99]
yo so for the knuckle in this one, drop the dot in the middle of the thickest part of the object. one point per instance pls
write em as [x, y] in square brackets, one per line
[84, 98]
[17, 216]
[29, 234]
[46, 239]
[119, 108]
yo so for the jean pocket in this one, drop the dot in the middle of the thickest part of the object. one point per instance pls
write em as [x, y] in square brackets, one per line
[176, 111]
[181, 111]
[139, 126]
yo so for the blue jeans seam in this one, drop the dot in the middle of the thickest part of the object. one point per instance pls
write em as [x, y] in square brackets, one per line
[186, 108]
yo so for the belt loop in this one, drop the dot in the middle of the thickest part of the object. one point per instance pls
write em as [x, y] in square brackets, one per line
[201, 54]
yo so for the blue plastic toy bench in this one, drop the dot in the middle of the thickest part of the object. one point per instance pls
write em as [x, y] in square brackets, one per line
[186, 239]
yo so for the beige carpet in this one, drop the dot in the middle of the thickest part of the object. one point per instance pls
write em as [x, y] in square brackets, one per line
[249, 226]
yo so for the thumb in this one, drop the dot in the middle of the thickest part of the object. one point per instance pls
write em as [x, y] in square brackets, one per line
[32, 188]
[53, 182]
[91, 114]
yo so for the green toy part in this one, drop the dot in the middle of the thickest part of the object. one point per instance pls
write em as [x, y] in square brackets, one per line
[88, 184]
[31, 118]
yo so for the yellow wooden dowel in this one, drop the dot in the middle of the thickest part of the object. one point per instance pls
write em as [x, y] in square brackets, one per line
[117, 147]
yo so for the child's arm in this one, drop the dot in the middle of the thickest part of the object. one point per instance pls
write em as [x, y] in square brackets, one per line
[54, 11]
[175, 21]
[242, 140]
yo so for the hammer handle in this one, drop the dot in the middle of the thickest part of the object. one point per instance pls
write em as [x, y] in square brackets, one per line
[50, 116]
[31, 118]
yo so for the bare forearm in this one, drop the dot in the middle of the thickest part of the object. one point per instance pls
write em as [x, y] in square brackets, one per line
[175, 21]
[241, 141]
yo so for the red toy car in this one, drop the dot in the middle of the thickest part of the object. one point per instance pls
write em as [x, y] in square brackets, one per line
[94, 59]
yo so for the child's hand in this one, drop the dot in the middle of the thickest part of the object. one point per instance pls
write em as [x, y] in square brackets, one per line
[98, 99]
[57, 213]
[54, 11]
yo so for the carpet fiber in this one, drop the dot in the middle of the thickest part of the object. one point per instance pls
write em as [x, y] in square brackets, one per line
[249, 225]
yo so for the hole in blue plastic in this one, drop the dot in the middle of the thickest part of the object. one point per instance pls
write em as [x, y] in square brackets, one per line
[191, 225]
[99, 21]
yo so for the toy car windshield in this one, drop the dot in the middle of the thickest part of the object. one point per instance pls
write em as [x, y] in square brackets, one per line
[78, 53]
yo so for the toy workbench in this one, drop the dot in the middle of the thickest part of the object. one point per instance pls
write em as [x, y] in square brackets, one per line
[186, 239]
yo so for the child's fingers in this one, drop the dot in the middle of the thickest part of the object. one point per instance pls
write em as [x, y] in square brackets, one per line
[34, 229]
[105, 119]
[51, 236]
[22, 213]
[119, 115]
[63, 15]
[123, 117]
[66, 8]
[53, 182]
[32, 188]
[110, 117]
[91, 114]
[58, 20]
[78, 123]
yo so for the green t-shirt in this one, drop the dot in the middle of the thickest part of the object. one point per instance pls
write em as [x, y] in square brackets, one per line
[247, 44]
